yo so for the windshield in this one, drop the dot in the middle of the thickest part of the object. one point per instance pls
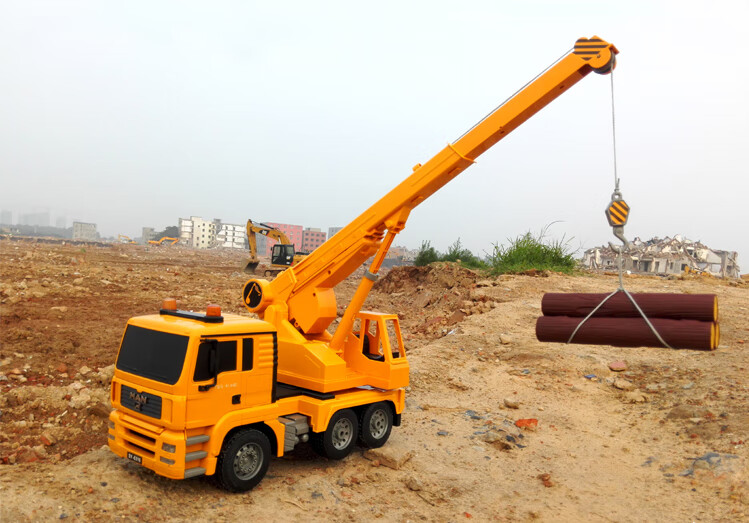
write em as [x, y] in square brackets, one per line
[152, 354]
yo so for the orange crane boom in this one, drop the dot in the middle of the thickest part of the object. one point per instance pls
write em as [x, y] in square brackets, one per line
[300, 302]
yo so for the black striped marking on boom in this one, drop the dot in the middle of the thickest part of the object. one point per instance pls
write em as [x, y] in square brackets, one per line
[588, 48]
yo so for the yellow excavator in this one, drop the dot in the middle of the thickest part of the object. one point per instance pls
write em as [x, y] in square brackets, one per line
[282, 256]
[167, 239]
[121, 238]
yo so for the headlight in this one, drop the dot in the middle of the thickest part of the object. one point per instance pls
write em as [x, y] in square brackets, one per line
[166, 447]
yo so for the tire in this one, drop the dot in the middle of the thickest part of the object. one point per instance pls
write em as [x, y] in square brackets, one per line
[376, 424]
[243, 461]
[339, 439]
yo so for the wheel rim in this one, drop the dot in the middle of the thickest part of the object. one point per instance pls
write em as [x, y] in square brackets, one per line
[378, 424]
[343, 433]
[248, 460]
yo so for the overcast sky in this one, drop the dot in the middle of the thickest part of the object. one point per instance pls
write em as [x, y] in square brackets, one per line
[132, 114]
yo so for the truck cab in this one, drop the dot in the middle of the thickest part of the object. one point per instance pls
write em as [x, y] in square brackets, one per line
[187, 385]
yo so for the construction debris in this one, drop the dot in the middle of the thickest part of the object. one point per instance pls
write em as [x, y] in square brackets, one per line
[676, 255]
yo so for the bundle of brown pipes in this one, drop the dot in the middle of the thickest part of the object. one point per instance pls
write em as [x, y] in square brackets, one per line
[684, 321]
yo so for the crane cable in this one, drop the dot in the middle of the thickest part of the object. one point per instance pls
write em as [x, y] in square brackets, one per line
[616, 198]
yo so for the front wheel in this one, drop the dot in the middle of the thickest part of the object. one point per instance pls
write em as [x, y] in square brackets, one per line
[339, 438]
[243, 461]
[376, 424]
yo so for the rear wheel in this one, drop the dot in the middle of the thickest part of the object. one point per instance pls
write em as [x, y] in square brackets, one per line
[339, 438]
[243, 461]
[376, 424]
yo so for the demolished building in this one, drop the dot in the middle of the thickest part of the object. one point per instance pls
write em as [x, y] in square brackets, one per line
[665, 256]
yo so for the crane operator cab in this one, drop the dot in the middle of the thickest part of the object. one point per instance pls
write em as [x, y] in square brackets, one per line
[374, 347]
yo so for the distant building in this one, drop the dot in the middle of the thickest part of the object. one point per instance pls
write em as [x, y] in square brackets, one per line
[39, 218]
[333, 230]
[667, 256]
[61, 222]
[147, 234]
[312, 238]
[232, 236]
[197, 232]
[6, 217]
[85, 231]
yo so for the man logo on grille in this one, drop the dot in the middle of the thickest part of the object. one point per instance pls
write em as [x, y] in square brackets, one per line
[140, 399]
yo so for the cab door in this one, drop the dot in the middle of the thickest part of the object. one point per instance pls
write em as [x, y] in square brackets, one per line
[215, 386]
[259, 361]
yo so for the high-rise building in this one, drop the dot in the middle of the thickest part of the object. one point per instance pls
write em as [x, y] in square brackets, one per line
[6, 217]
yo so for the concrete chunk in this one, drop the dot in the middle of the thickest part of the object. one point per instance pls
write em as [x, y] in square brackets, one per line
[393, 455]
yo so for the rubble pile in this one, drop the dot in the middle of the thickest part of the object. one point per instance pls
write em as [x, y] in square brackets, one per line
[432, 299]
[667, 256]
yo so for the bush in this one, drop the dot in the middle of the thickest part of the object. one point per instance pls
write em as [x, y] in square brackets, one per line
[528, 252]
[426, 255]
[455, 253]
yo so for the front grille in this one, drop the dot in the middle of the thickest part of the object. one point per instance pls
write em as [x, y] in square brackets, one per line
[143, 402]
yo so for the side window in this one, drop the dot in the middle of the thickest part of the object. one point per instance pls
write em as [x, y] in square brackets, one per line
[227, 359]
[247, 353]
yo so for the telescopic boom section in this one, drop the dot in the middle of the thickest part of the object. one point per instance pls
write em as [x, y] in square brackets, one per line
[307, 289]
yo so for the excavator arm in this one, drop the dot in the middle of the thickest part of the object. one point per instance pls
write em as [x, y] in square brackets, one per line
[306, 290]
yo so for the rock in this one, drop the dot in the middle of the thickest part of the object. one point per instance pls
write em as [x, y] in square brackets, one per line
[47, 439]
[414, 484]
[79, 401]
[511, 403]
[623, 384]
[505, 339]
[618, 366]
[105, 374]
[393, 455]
[653, 387]
[684, 412]
[61, 368]
[635, 396]
[528, 423]
[546, 480]
[59, 309]
[100, 410]
[498, 440]
[84, 370]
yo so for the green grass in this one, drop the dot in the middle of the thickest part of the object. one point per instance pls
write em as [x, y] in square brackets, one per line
[528, 252]
[524, 253]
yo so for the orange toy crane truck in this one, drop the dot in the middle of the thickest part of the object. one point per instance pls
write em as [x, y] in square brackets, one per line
[218, 394]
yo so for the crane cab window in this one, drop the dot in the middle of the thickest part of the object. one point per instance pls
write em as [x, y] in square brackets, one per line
[395, 339]
[226, 352]
[371, 344]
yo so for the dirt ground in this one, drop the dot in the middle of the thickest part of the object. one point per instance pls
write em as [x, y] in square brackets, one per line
[663, 440]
